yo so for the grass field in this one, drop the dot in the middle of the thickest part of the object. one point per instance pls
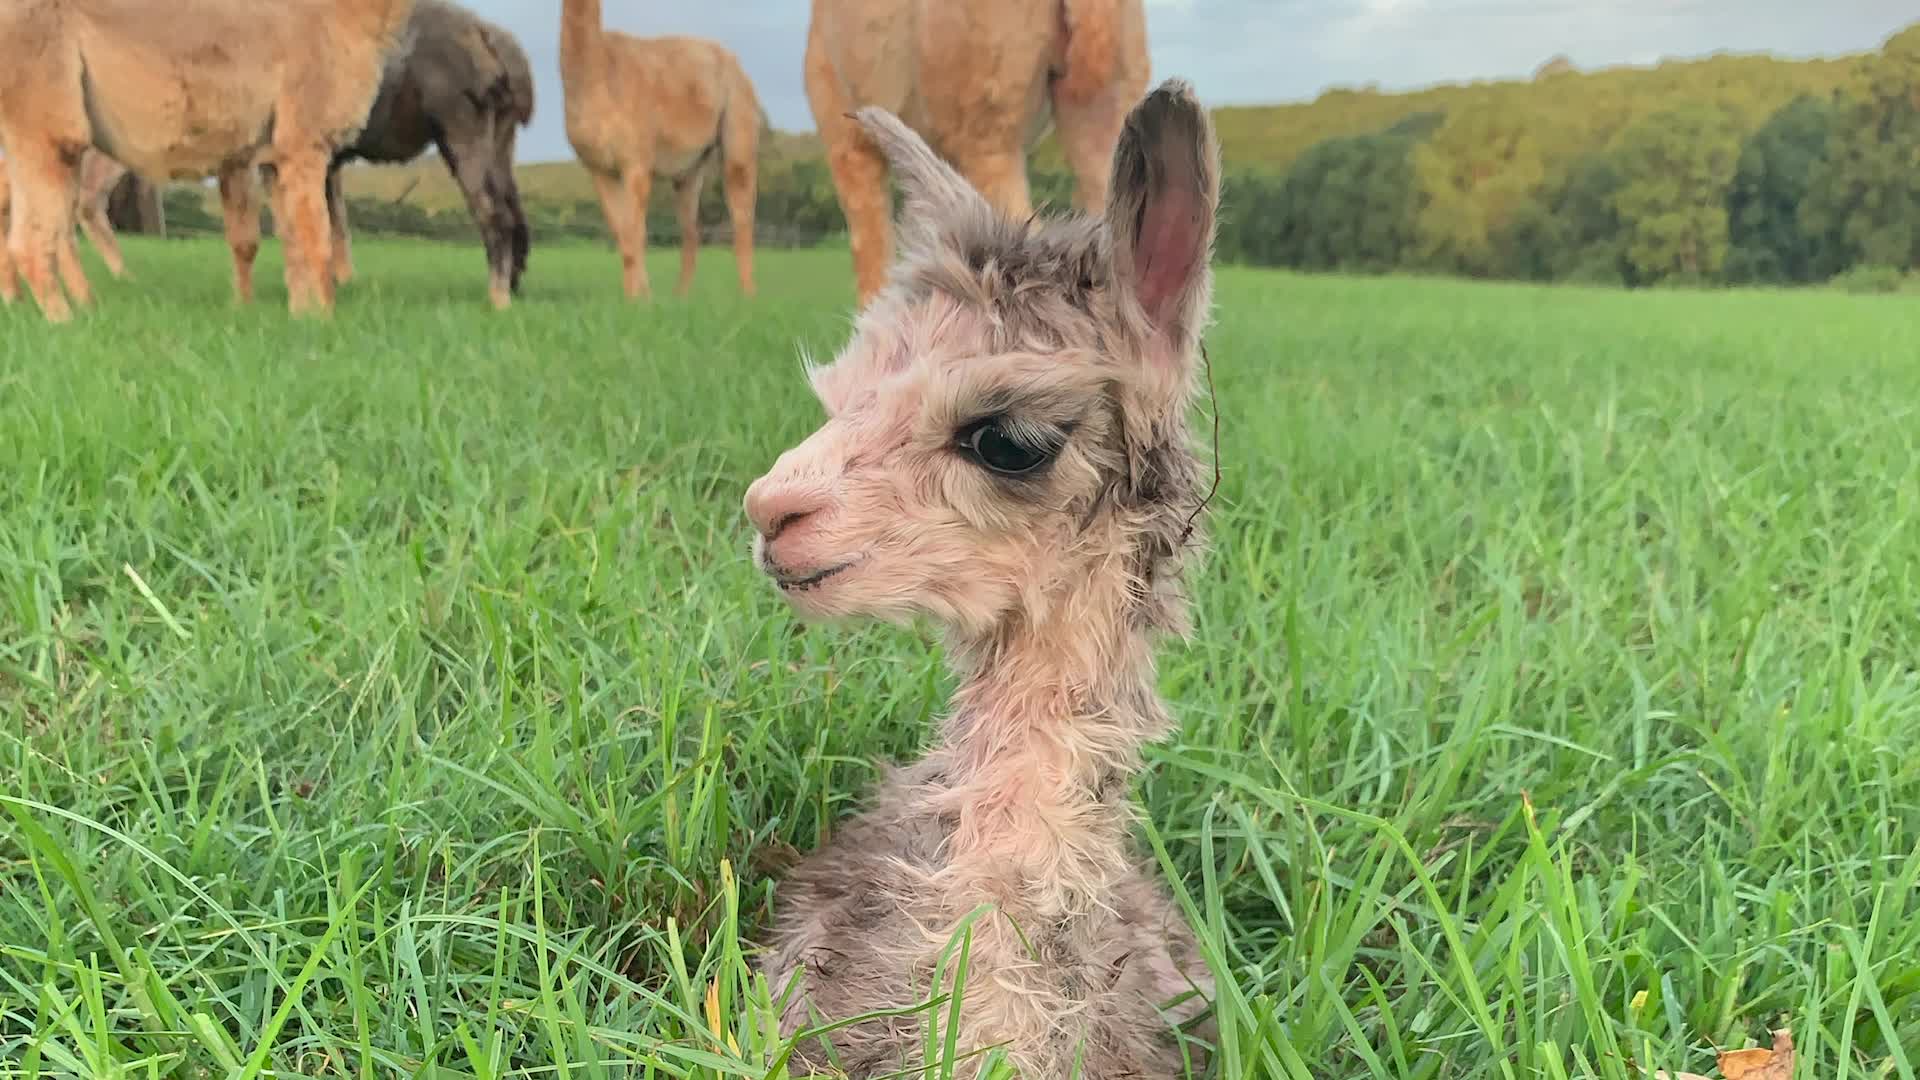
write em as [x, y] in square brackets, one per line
[394, 697]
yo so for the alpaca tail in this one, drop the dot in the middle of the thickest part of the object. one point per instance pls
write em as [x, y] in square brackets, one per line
[1092, 48]
[514, 85]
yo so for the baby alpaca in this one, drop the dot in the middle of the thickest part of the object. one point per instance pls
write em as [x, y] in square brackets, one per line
[1006, 452]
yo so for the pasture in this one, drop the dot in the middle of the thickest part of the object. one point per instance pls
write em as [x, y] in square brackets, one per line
[395, 697]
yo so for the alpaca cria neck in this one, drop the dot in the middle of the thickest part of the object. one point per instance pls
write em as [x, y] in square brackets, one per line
[1044, 732]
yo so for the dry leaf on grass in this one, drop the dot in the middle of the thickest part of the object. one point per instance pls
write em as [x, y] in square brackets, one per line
[1756, 1064]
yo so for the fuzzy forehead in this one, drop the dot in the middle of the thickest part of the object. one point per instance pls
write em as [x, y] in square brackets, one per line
[983, 300]
[950, 362]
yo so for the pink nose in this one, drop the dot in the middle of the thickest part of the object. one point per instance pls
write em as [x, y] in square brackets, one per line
[775, 508]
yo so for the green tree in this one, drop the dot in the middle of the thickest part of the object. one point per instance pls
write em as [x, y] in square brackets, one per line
[1347, 204]
[1676, 166]
[1776, 169]
[1472, 175]
[1863, 200]
[1589, 224]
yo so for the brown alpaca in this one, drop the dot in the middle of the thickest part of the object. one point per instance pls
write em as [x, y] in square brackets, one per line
[463, 86]
[980, 81]
[98, 175]
[1006, 452]
[458, 83]
[671, 107]
[176, 97]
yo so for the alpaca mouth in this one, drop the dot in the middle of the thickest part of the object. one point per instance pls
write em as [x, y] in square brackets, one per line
[802, 582]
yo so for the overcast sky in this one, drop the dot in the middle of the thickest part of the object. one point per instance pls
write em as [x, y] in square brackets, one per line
[1258, 51]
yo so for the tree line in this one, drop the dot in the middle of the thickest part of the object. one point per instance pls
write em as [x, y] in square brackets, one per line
[1729, 169]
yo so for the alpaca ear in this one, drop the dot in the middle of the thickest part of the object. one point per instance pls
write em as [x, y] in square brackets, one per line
[935, 193]
[1160, 214]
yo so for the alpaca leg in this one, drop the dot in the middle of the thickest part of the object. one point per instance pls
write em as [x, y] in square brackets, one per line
[99, 230]
[470, 156]
[99, 175]
[739, 179]
[1088, 132]
[860, 180]
[67, 258]
[739, 153]
[337, 221]
[9, 279]
[859, 171]
[240, 212]
[633, 257]
[519, 237]
[613, 205]
[300, 213]
[1002, 178]
[43, 185]
[686, 191]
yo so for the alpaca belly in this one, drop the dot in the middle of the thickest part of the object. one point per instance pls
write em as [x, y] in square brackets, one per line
[174, 122]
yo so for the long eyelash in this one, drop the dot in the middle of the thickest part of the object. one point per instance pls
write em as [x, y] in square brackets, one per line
[1030, 433]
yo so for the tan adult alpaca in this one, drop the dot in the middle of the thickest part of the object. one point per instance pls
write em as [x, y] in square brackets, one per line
[980, 82]
[98, 175]
[239, 82]
[672, 107]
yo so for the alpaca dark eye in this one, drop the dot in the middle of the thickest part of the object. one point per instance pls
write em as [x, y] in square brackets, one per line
[992, 445]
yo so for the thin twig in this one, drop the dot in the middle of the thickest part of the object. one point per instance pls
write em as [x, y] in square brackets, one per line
[1213, 402]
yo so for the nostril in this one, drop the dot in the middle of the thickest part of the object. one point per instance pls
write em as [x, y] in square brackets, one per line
[780, 523]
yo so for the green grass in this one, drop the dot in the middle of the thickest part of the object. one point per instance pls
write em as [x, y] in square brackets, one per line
[395, 697]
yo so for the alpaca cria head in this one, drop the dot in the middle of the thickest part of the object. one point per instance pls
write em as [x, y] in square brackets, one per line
[1006, 431]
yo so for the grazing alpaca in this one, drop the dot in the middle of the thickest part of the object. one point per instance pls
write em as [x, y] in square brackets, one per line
[177, 97]
[98, 175]
[671, 107]
[980, 81]
[1006, 452]
[463, 86]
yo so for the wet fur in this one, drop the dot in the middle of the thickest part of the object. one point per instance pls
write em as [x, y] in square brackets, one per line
[1050, 588]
